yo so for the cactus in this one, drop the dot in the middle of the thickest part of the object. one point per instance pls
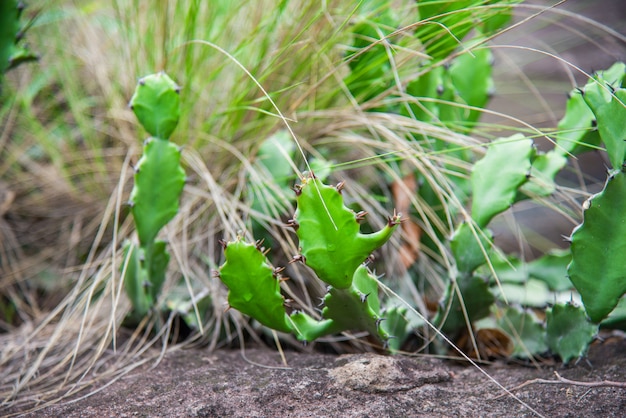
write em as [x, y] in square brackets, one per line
[607, 100]
[495, 181]
[333, 247]
[497, 177]
[597, 269]
[471, 78]
[154, 200]
[568, 331]
[447, 22]
[330, 240]
[11, 33]
[370, 71]
[526, 332]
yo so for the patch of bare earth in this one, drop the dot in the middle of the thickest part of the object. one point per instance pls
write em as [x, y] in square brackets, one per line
[195, 383]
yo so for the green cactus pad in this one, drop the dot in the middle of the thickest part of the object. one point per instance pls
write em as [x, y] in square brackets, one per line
[477, 299]
[469, 251]
[253, 287]
[307, 328]
[11, 54]
[471, 77]
[575, 132]
[396, 325]
[159, 181]
[497, 176]
[544, 169]
[454, 21]
[356, 308]
[136, 281]
[145, 275]
[157, 259]
[329, 236]
[527, 333]
[607, 101]
[568, 331]
[598, 270]
[156, 104]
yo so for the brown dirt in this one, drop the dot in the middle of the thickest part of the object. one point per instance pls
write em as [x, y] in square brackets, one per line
[195, 383]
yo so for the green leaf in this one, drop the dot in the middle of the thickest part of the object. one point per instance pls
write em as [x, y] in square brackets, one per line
[471, 77]
[274, 154]
[497, 17]
[448, 23]
[427, 85]
[544, 169]
[370, 72]
[527, 333]
[253, 288]
[396, 325]
[608, 104]
[568, 331]
[598, 270]
[330, 239]
[11, 32]
[469, 250]
[159, 181]
[136, 281]
[533, 292]
[497, 176]
[617, 317]
[551, 268]
[351, 309]
[477, 300]
[157, 266]
[156, 104]
[576, 132]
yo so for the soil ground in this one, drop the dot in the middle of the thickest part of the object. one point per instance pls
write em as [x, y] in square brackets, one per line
[195, 383]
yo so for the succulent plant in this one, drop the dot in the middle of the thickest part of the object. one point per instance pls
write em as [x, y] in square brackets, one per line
[332, 245]
[154, 200]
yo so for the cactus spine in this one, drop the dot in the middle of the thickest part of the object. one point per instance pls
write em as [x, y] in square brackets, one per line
[154, 200]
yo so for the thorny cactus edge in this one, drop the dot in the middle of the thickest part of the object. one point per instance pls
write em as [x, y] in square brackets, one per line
[11, 35]
[332, 245]
[329, 233]
[159, 181]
